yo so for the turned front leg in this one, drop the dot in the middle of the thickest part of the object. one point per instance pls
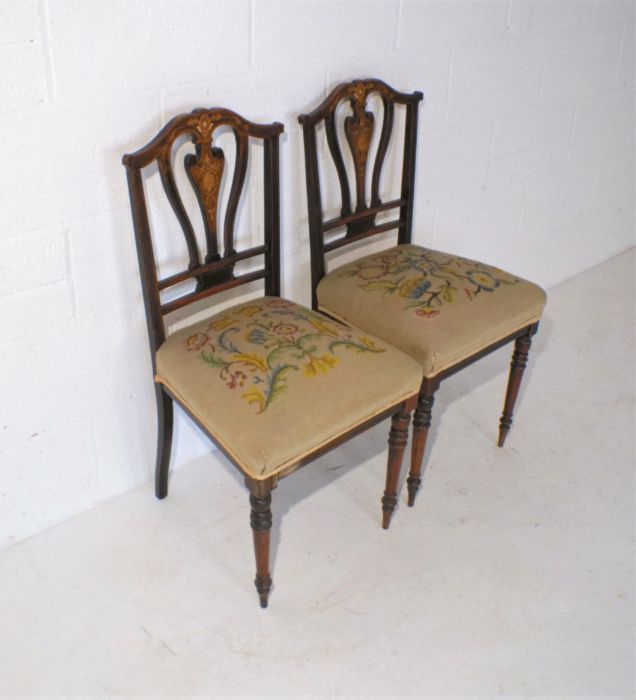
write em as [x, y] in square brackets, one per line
[421, 423]
[261, 522]
[517, 367]
[398, 437]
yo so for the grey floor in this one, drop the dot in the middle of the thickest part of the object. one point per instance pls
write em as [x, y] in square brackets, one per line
[512, 577]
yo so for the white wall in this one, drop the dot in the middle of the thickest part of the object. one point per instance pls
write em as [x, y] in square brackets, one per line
[526, 160]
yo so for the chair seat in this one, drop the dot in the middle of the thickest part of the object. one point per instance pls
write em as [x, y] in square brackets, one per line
[438, 308]
[272, 381]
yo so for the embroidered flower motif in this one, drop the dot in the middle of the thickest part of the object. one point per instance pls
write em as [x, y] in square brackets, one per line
[483, 280]
[373, 272]
[196, 342]
[258, 350]
[284, 329]
[414, 288]
[249, 310]
[320, 364]
[427, 312]
[222, 323]
[424, 279]
[236, 379]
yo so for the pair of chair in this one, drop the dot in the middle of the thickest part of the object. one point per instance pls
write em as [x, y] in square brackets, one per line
[275, 384]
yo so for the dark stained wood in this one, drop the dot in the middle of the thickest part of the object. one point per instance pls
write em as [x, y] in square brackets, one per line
[211, 267]
[361, 235]
[398, 437]
[190, 298]
[215, 275]
[383, 146]
[261, 522]
[172, 193]
[205, 171]
[421, 423]
[343, 220]
[517, 366]
[164, 441]
[359, 130]
[336, 154]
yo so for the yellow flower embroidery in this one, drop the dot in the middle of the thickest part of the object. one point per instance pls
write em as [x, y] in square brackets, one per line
[320, 365]
[424, 279]
[249, 310]
[259, 347]
[222, 323]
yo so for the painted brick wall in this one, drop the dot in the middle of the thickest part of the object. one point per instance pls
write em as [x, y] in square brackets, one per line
[526, 160]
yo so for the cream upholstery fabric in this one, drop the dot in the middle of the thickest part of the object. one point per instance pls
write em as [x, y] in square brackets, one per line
[438, 308]
[272, 380]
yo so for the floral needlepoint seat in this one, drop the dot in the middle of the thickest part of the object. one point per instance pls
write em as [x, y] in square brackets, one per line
[443, 310]
[439, 308]
[272, 368]
[274, 385]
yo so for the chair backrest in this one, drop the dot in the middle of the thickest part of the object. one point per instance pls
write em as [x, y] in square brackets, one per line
[204, 169]
[359, 223]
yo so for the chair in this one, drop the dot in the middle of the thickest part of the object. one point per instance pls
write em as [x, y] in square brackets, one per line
[443, 310]
[272, 383]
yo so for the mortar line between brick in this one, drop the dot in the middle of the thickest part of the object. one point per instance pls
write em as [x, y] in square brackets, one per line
[448, 86]
[620, 56]
[48, 51]
[572, 128]
[544, 68]
[162, 106]
[508, 16]
[396, 37]
[489, 159]
[251, 30]
[69, 271]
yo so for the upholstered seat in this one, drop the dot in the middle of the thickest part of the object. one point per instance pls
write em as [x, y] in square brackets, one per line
[263, 378]
[438, 308]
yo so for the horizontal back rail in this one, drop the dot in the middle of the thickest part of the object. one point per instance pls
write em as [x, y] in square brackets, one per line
[197, 296]
[373, 231]
[344, 220]
[211, 267]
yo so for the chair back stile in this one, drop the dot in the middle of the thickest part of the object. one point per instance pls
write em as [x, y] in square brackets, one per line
[204, 169]
[359, 222]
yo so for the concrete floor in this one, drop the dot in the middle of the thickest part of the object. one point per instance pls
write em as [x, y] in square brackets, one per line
[512, 577]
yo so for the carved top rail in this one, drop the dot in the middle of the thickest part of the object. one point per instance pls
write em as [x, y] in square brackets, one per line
[205, 168]
[359, 221]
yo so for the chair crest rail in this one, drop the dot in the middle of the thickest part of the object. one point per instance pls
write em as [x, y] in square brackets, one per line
[205, 169]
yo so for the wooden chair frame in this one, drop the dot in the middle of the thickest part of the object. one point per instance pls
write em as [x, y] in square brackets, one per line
[216, 274]
[359, 223]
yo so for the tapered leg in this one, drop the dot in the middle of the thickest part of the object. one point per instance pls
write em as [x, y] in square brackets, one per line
[517, 366]
[164, 441]
[421, 424]
[398, 437]
[261, 521]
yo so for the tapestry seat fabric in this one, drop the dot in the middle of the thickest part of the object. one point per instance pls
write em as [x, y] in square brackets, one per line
[438, 308]
[273, 380]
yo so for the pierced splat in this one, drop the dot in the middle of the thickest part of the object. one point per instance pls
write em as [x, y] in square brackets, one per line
[205, 171]
[359, 130]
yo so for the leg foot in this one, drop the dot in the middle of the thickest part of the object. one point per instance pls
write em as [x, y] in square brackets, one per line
[517, 366]
[421, 424]
[261, 522]
[398, 438]
[164, 441]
